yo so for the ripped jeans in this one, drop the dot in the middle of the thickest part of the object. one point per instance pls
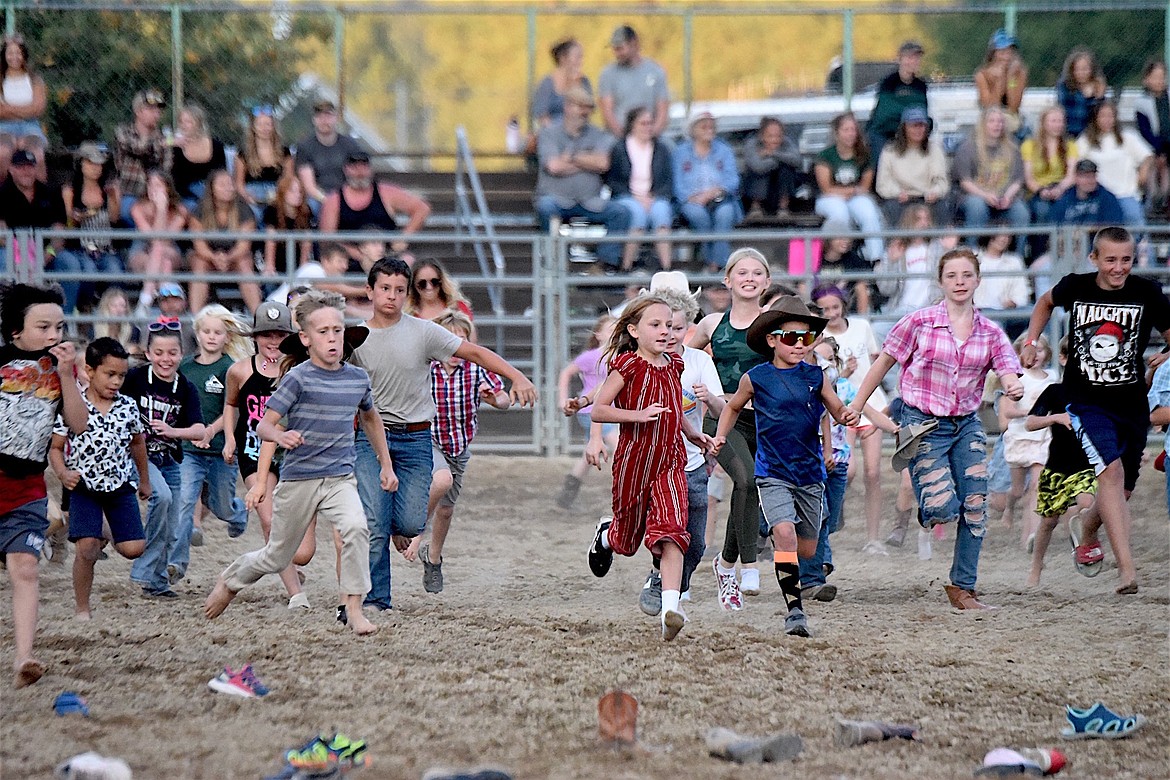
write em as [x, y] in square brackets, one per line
[949, 475]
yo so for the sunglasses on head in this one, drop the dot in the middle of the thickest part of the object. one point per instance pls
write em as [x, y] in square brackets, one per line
[161, 325]
[423, 284]
[262, 111]
[791, 338]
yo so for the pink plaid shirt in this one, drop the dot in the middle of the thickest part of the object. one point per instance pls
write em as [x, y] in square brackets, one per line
[456, 397]
[940, 376]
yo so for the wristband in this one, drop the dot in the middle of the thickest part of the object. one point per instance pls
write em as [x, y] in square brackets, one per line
[1030, 343]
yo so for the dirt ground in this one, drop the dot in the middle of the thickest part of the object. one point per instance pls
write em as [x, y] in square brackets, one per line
[506, 665]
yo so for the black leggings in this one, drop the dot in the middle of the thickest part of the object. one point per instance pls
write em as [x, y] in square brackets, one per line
[738, 459]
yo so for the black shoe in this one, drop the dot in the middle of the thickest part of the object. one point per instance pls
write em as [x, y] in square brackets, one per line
[165, 593]
[341, 615]
[599, 557]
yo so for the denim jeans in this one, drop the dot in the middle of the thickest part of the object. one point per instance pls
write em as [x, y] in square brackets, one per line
[718, 217]
[949, 475]
[860, 210]
[659, 215]
[614, 217]
[402, 513]
[263, 193]
[162, 515]
[221, 481]
[812, 570]
[696, 523]
[977, 214]
[76, 261]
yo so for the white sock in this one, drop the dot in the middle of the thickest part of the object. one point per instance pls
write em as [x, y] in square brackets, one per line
[719, 565]
[669, 601]
[605, 541]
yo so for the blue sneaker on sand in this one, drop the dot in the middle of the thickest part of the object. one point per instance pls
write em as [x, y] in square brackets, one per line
[239, 519]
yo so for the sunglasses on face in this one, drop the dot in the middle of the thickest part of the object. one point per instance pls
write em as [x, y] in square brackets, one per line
[161, 325]
[423, 284]
[791, 338]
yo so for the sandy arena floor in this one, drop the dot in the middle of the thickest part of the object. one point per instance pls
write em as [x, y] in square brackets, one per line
[506, 665]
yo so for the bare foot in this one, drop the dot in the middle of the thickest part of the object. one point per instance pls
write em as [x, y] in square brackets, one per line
[1128, 589]
[1007, 520]
[83, 616]
[1033, 579]
[400, 543]
[218, 600]
[360, 624]
[28, 672]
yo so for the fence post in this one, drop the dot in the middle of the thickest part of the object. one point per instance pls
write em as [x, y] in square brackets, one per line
[1166, 33]
[847, 58]
[176, 60]
[1009, 17]
[9, 18]
[688, 35]
[530, 75]
[339, 58]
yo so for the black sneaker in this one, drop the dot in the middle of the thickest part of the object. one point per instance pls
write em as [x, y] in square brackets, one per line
[432, 572]
[165, 593]
[599, 557]
[341, 615]
[568, 492]
[650, 601]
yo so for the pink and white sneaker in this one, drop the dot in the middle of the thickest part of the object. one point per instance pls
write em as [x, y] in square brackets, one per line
[729, 595]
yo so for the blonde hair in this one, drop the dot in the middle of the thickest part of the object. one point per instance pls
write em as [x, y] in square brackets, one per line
[746, 253]
[621, 341]
[449, 291]
[314, 300]
[1004, 147]
[602, 321]
[458, 323]
[678, 300]
[1040, 343]
[122, 332]
[237, 346]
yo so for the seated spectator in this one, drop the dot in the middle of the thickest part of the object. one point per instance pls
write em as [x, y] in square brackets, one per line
[364, 204]
[289, 211]
[321, 157]
[1003, 77]
[112, 311]
[771, 167]
[1123, 159]
[434, 292]
[632, 81]
[1087, 203]
[1081, 87]
[161, 211]
[22, 102]
[90, 198]
[1152, 113]
[844, 172]
[640, 180]
[1049, 158]
[548, 104]
[990, 172]
[841, 259]
[913, 169]
[140, 147]
[895, 93]
[196, 154]
[917, 257]
[334, 263]
[573, 156]
[706, 184]
[1002, 293]
[222, 210]
[261, 161]
[28, 203]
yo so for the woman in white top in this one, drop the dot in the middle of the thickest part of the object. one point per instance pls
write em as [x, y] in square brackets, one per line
[1123, 159]
[22, 101]
[1004, 292]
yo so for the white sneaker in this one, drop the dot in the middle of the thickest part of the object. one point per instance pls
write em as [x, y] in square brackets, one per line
[685, 596]
[299, 601]
[924, 550]
[749, 582]
[875, 548]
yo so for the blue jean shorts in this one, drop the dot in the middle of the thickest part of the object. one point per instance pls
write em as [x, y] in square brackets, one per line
[23, 529]
[607, 429]
[119, 506]
[1106, 437]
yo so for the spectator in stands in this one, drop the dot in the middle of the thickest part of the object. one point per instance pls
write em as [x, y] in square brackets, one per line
[140, 147]
[896, 92]
[289, 211]
[1087, 202]
[434, 292]
[844, 172]
[90, 197]
[1081, 86]
[841, 259]
[573, 156]
[196, 154]
[990, 172]
[548, 104]
[1049, 158]
[916, 256]
[22, 102]
[706, 184]
[112, 310]
[1003, 77]
[1152, 113]
[1123, 159]
[27, 202]
[632, 81]
[640, 180]
[1003, 293]
[361, 203]
[261, 161]
[162, 210]
[771, 167]
[222, 209]
[913, 169]
[321, 157]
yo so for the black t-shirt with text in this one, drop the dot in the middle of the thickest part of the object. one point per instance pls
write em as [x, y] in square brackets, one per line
[1065, 455]
[175, 402]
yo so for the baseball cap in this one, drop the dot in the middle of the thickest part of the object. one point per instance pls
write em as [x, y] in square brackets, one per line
[23, 157]
[699, 117]
[1002, 39]
[578, 95]
[357, 156]
[89, 150]
[150, 97]
[1086, 166]
[272, 317]
[910, 47]
[914, 115]
[324, 107]
[170, 290]
[623, 34]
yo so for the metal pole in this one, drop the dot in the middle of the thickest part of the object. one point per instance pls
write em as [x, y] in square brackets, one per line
[1009, 18]
[847, 58]
[176, 59]
[688, 35]
[1166, 32]
[339, 58]
[531, 74]
[10, 19]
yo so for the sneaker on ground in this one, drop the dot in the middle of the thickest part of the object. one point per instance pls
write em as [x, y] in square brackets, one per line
[196, 537]
[249, 676]
[819, 592]
[729, 596]
[874, 547]
[600, 558]
[650, 600]
[164, 593]
[796, 624]
[239, 520]
[749, 582]
[324, 752]
[299, 601]
[432, 572]
[173, 573]
[568, 492]
[896, 538]
[236, 683]
[685, 595]
[672, 622]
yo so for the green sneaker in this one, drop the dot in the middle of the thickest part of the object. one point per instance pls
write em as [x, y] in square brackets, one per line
[322, 752]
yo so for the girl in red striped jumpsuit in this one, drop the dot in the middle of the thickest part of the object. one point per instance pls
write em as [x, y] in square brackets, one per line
[643, 393]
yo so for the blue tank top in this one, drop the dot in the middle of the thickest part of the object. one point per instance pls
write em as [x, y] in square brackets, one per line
[788, 421]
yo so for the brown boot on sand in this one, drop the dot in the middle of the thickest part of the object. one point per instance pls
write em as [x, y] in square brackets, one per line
[965, 600]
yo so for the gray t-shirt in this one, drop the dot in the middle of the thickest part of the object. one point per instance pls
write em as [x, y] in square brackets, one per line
[321, 404]
[581, 188]
[398, 359]
[633, 86]
[327, 162]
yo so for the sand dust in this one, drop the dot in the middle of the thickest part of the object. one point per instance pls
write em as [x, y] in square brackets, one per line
[506, 665]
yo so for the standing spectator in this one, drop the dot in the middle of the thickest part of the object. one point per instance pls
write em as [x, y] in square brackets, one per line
[321, 157]
[844, 174]
[632, 81]
[1153, 120]
[1003, 77]
[573, 156]
[140, 147]
[22, 102]
[195, 156]
[771, 166]
[706, 183]
[914, 170]
[288, 211]
[990, 172]
[261, 161]
[896, 92]
[548, 102]
[160, 211]
[90, 198]
[26, 202]
[640, 179]
[1081, 86]
[222, 210]
[1123, 159]
[1049, 159]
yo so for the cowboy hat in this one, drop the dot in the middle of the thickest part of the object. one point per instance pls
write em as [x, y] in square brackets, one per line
[786, 308]
[355, 336]
[671, 280]
[907, 441]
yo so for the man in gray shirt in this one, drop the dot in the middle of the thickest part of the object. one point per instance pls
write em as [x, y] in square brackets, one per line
[632, 81]
[320, 161]
[573, 155]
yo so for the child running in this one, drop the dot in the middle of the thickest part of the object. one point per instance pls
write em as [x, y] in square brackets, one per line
[1110, 316]
[643, 393]
[945, 352]
[1025, 450]
[789, 396]
[319, 399]
[105, 467]
[590, 368]
[36, 384]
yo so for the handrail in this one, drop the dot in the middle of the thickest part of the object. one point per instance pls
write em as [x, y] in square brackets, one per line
[466, 174]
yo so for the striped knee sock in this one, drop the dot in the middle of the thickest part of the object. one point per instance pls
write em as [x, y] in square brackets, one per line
[788, 575]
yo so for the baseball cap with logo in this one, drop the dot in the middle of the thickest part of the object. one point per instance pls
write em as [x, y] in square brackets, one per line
[272, 317]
